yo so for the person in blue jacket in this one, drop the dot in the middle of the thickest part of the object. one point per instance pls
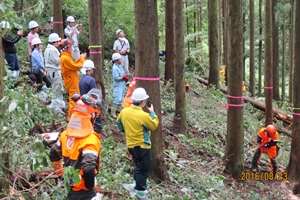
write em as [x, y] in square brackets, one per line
[120, 78]
[38, 67]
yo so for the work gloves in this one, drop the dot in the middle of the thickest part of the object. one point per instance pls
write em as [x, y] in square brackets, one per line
[125, 77]
[58, 167]
[267, 145]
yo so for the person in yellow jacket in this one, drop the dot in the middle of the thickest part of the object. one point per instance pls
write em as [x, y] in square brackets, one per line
[69, 69]
[137, 126]
[80, 146]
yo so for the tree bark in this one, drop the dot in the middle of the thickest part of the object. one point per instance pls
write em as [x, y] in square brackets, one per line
[225, 35]
[260, 50]
[234, 156]
[283, 59]
[291, 46]
[252, 49]
[4, 185]
[180, 107]
[57, 18]
[96, 41]
[147, 66]
[275, 48]
[294, 167]
[268, 62]
[213, 38]
[170, 41]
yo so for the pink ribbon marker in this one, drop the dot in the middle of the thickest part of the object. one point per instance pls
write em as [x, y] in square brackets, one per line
[297, 114]
[57, 23]
[234, 105]
[95, 52]
[269, 87]
[146, 79]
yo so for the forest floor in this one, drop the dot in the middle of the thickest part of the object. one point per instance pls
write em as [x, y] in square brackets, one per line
[195, 161]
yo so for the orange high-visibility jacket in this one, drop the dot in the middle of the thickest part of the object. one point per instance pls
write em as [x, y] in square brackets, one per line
[272, 151]
[69, 70]
[79, 146]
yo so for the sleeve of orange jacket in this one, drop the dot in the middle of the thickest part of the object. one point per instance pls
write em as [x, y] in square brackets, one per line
[71, 65]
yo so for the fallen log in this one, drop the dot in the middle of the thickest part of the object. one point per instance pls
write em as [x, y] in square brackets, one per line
[278, 114]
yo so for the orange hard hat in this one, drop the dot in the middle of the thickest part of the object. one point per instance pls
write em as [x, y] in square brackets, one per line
[65, 43]
[271, 130]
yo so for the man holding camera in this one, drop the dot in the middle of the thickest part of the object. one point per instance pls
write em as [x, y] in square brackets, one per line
[72, 32]
[137, 126]
[121, 46]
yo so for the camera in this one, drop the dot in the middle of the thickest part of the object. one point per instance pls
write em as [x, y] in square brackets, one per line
[148, 103]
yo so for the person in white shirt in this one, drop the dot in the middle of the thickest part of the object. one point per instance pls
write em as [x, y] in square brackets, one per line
[121, 46]
[52, 64]
[72, 32]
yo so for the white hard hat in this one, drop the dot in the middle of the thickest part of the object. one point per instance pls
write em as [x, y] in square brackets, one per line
[118, 31]
[139, 94]
[5, 24]
[36, 41]
[53, 37]
[70, 19]
[116, 56]
[32, 24]
[87, 65]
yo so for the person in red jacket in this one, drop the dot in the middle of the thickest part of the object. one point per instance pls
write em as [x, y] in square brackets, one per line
[79, 146]
[69, 69]
[267, 139]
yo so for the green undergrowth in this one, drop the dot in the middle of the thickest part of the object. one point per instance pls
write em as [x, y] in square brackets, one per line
[194, 160]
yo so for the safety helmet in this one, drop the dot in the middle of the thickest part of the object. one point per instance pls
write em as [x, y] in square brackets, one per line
[97, 94]
[53, 37]
[32, 24]
[139, 94]
[116, 56]
[65, 43]
[70, 19]
[87, 65]
[5, 24]
[271, 130]
[132, 85]
[36, 41]
[118, 31]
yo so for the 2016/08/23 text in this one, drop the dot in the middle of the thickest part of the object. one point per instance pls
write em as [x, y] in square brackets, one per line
[264, 176]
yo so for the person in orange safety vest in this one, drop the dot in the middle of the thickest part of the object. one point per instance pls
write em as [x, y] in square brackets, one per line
[79, 146]
[69, 70]
[127, 101]
[267, 139]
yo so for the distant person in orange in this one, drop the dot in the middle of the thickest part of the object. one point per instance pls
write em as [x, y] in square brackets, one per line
[244, 88]
[69, 70]
[127, 101]
[267, 139]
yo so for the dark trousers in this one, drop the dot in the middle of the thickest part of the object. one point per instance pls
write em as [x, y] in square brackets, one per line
[12, 61]
[40, 78]
[98, 124]
[81, 195]
[142, 159]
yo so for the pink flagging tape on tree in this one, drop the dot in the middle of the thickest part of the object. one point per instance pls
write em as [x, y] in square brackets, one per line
[235, 97]
[269, 87]
[297, 114]
[234, 105]
[146, 79]
[95, 52]
[57, 22]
